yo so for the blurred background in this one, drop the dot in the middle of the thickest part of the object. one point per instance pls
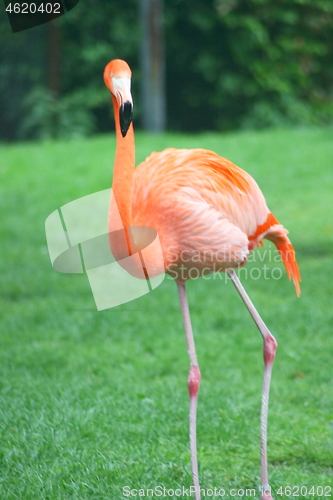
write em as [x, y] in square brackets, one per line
[197, 65]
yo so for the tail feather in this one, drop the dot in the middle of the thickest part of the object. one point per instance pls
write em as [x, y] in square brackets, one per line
[287, 252]
[272, 230]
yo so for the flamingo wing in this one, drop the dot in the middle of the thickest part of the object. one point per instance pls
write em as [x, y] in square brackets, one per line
[203, 205]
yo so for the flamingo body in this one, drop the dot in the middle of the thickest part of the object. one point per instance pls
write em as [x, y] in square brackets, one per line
[209, 214]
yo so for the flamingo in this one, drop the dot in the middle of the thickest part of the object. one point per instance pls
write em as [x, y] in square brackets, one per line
[209, 215]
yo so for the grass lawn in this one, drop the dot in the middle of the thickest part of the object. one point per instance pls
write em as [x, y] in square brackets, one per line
[92, 401]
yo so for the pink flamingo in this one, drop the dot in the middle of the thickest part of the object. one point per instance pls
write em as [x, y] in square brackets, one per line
[209, 214]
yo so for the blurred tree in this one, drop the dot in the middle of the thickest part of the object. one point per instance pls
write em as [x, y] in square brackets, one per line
[249, 63]
[54, 69]
[152, 66]
[229, 64]
[22, 67]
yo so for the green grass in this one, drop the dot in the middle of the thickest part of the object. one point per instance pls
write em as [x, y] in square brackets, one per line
[94, 401]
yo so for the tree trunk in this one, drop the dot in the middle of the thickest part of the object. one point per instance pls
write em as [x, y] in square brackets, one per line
[152, 66]
[54, 72]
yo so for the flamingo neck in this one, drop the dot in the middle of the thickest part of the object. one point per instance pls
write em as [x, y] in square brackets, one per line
[123, 169]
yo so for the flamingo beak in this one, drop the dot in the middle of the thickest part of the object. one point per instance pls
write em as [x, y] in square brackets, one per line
[125, 117]
[122, 92]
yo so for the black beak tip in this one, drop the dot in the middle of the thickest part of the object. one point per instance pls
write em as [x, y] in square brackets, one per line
[125, 117]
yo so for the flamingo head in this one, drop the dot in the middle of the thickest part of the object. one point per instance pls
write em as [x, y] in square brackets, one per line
[117, 78]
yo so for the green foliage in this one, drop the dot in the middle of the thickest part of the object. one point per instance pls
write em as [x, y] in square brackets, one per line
[87, 43]
[229, 64]
[46, 117]
[93, 401]
[254, 63]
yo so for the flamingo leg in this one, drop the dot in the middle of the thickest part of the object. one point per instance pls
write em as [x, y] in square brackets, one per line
[193, 383]
[269, 350]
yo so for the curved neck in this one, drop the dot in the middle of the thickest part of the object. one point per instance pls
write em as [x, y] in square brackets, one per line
[123, 169]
